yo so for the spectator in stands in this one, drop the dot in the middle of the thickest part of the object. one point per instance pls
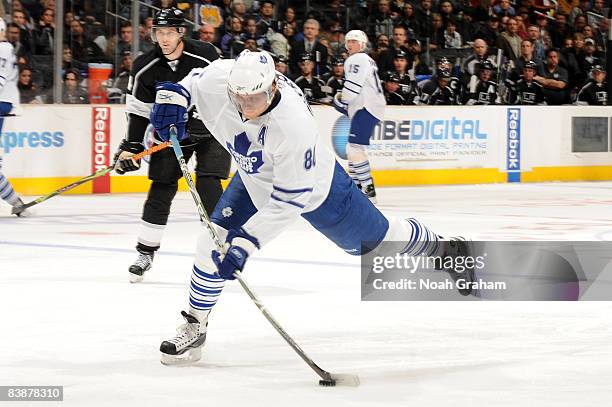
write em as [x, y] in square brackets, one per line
[442, 94]
[424, 17]
[310, 45]
[599, 8]
[380, 22]
[250, 32]
[526, 91]
[28, 92]
[13, 35]
[26, 36]
[335, 80]
[239, 10]
[232, 36]
[436, 35]
[580, 23]
[385, 58]
[452, 39]
[579, 11]
[589, 33]
[290, 19]
[208, 33]
[68, 62]
[560, 30]
[72, 92]
[504, 9]
[589, 56]
[489, 31]
[336, 42]
[519, 64]
[509, 41]
[83, 49]
[539, 52]
[382, 44]
[408, 19]
[122, 76]
[595, 91]
[44, 32]
[554, 81]
[265, 21]
[310, 83]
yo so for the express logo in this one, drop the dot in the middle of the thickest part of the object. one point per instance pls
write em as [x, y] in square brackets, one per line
[249, 162]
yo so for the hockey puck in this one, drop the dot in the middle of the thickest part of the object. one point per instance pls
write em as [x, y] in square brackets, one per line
[327, 383]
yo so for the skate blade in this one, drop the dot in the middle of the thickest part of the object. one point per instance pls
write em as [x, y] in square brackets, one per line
[189, 357]
[373, 200]
[343, 379]
[135, 278]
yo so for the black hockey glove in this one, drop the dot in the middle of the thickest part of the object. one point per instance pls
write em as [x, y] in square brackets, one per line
[123, 161]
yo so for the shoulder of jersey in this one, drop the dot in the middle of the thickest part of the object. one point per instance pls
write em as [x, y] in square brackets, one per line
[202, 49]
[359, 57]
[144, 59]
[6, 44]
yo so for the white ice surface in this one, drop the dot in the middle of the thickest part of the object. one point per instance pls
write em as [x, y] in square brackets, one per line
[68, 315]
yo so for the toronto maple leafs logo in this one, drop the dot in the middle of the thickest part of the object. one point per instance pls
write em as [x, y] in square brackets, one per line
[249, 162]
[263, 59]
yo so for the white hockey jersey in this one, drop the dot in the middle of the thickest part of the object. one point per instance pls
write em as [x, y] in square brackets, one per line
[285, 166]
[362, 87]
[9, 74]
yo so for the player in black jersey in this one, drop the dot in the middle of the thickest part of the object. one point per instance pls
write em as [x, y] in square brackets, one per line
[442, 94]
[526, 91]
[595, 91]
[335, 80]
[482, 90]
[172, 59]
[432, 84]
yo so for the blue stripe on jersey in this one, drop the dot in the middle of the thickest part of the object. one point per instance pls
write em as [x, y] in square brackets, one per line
[354, 83]
[289, 202]
[291, 191]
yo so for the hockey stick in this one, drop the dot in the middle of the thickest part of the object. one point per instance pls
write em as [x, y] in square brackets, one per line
[316, 102]
[327, 378]
[97, 174]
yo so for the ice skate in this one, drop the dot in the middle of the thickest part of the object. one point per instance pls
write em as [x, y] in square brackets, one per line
[370, 192]
[142, 264]
[186, 347]
[19, 210]
[455, 247]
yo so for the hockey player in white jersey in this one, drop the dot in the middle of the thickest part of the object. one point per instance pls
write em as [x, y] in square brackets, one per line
[363, 100]
[9, 98]
[284, 171]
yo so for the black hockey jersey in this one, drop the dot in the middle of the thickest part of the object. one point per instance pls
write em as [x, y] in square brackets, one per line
[454, 84]
[483, 93]
[152, 68]
[311, 88]
[593, 94]
[526, 93]
[440, 96]
[335, 84]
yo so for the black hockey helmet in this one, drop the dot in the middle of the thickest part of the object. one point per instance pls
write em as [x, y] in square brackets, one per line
[443, 73]
[486, 64]
[307, 56]
[400, 53]
[335, 61]
[530, 65]
[443, 60]
[169, 17]
[597, 67]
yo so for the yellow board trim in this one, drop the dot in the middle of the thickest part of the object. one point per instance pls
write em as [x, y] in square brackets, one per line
[132, 184]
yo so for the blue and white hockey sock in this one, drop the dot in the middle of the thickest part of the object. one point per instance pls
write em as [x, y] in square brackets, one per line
[352, 174]
[422, 240]
[204, 290]
[6, 189]
[363, 172]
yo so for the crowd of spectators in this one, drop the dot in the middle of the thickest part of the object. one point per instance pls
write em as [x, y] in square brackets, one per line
[427, 51]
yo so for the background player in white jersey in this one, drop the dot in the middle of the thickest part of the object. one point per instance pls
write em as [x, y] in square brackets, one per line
[362, 99]
[9, 98]
[284, 171]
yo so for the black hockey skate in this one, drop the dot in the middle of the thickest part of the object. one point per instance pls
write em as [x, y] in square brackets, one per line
[370, 192]
[186, 346]
[456, 247]
[142, 264]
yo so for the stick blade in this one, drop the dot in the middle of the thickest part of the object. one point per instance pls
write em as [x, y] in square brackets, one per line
[343, 379]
